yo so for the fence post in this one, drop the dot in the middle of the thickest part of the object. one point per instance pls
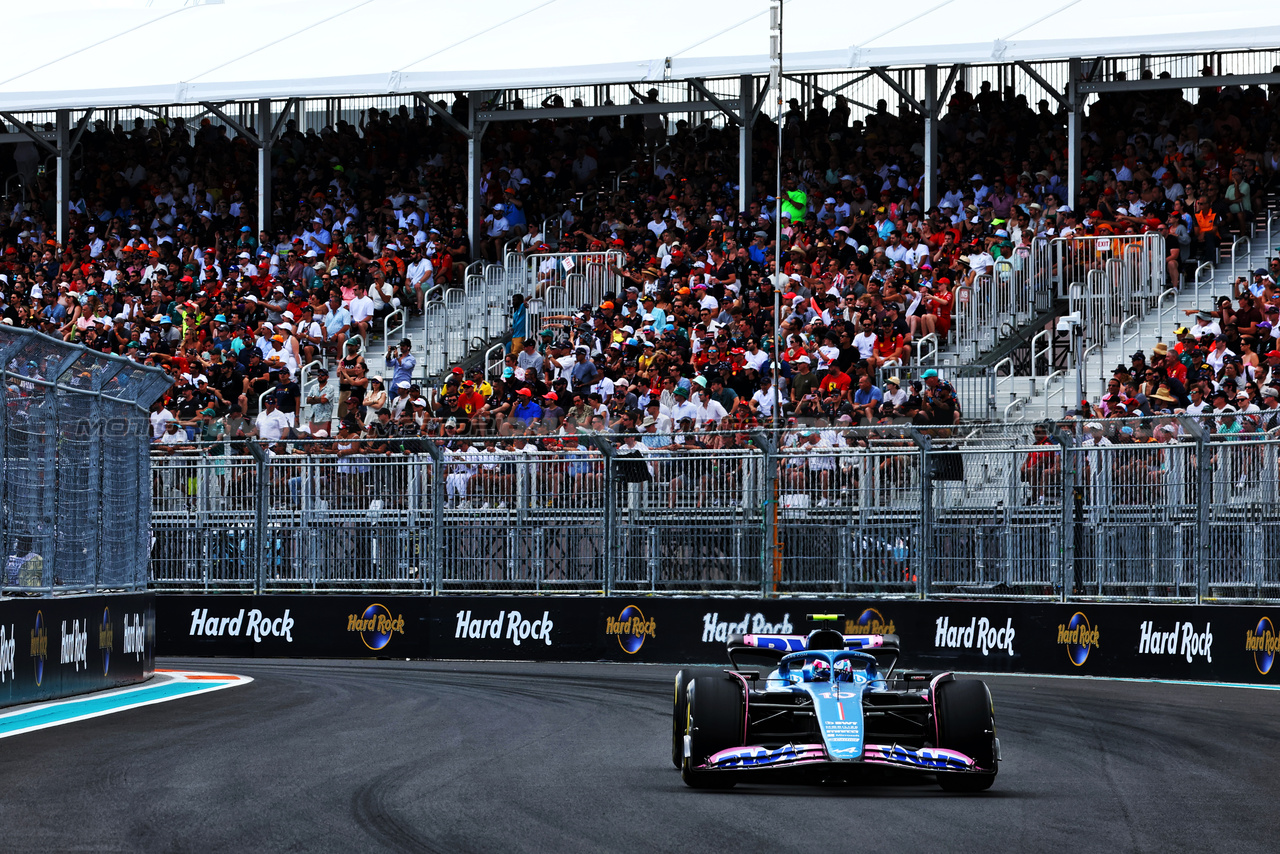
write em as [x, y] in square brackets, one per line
[261, 457]
[1071, 497]
[1204, 497]
[610, 505]
[924, 568]
[48, 509]
[436, 564]
[771, 551]
[93, 543]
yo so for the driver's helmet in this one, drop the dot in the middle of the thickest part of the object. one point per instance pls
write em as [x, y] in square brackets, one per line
[843, 671]
[818, 670]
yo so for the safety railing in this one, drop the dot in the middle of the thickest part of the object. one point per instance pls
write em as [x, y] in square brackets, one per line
[1165, 312]
[1055, 389]
[1041, 351]
[926, 349]
[1129, 330]
[1203, 276]
[456, 336]
[394, 325]
[1240, 248]
[435, 332]
[1074, 258]
[974, 385]
[307, 387]
[1162, 508]
[494, 359]
[543, 270]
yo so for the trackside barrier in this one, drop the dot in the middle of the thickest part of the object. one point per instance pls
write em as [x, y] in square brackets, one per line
[953, 512]
[1183, 642]
[75, 644]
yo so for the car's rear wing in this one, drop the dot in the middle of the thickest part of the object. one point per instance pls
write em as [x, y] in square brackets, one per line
[798, 643]
[767, 650]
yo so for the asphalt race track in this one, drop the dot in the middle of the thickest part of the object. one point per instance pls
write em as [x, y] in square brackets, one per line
[441, 756]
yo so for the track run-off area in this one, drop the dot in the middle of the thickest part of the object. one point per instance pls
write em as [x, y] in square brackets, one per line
[456, 757]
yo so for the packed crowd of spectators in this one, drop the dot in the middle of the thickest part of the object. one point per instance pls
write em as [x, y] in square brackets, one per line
[163, 263]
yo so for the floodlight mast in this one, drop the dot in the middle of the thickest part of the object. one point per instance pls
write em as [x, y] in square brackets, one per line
[775, 81]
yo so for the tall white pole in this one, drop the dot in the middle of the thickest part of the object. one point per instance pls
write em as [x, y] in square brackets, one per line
[775, 75]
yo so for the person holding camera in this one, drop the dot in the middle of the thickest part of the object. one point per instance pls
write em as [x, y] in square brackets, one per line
[403, 363]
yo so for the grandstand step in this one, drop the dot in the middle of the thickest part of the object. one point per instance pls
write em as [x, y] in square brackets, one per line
[1052, 400]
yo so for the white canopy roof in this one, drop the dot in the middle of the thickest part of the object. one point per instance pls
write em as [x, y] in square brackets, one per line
[102, 53]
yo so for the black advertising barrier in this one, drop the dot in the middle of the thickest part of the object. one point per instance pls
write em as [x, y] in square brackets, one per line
[58, 647]
[1185, 642]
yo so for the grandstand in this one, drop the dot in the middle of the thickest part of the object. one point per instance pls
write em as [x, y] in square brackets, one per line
[964, 226]
[698, 100]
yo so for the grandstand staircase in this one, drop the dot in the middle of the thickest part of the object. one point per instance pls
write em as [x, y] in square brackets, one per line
[1050, 393]
[1019, 365]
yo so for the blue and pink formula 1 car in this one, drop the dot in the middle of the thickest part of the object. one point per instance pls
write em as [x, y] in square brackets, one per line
[831, 709]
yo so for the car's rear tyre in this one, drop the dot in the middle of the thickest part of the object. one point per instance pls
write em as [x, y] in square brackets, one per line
[714, 707]
[966, 723]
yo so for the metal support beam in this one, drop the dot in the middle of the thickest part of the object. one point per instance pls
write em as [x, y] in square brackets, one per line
[278, 127]
[266, 135]
[744, 100]
[883, 74]
[1269, 79]
[746, 87]
[1031, 72]
[1073, 131]
[232, 123]
[930, 136]
[946, 89]
[758, 103]
[63, 178]
[40, 138]
[441, 113]
[81, 128]
[475, 132]
[607, 110]
[831, 93]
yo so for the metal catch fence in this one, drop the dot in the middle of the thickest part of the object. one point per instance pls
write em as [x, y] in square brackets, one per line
[1178, 513]
[73, 466]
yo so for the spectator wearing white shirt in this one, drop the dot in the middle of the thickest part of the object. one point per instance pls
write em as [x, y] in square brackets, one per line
[709, 409]
[865, 341]
[893, 393]
[763, 399]
[495, 229]
[420, 276]
[361, 309]
[271, 424]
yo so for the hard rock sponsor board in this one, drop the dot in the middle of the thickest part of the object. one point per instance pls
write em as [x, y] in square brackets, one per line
[1129, 640]
[59, 647]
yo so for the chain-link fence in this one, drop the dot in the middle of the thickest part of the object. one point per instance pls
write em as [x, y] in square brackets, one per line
[1164, 509]
[73, 466]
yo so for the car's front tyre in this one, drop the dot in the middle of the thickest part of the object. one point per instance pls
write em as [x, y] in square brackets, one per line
[714, 710]
[966, 723]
